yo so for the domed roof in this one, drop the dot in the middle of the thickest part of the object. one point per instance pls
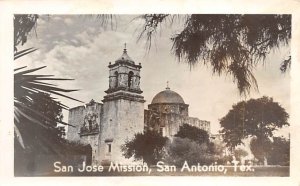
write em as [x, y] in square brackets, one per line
[125, 58]
[167, 96]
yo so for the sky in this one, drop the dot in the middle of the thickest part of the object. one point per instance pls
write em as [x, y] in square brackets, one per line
[79, 47]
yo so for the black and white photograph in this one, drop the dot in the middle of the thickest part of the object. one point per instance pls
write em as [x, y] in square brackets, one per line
[152, 95]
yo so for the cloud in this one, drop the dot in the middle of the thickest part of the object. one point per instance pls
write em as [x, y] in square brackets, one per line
[84, 51]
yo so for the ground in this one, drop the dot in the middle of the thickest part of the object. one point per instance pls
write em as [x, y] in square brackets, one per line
[276, 171]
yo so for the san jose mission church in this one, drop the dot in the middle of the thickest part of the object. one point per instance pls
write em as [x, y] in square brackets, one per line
[107, 125]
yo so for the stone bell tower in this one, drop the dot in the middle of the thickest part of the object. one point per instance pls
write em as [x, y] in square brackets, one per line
[123, 109]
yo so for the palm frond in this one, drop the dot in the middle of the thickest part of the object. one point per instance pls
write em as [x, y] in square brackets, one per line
[20, 68]
[29, 71]
[37, 113]
[29, 117]
[28, 90]
[19, 137]
[23, 52]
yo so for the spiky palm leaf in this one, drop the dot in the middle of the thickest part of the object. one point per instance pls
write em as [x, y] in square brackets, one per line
[27, 87]
[23, 53]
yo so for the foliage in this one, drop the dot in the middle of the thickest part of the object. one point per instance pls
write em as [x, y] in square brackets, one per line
[286, 64]
[23, 24]
[260, 147]
[240, 153]
[280, 152]
[193, 133]
[231, 44]
[39, 159]
[47, 107]
[147, 146]
[216, 148]
[35, 110]
[255, 117]
[184, 149]
[29, 91]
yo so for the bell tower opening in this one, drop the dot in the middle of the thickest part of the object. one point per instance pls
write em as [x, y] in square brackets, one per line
[117, 79]
[124, 75]
[130, 78]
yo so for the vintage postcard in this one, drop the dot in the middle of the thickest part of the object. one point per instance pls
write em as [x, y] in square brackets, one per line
[193, 95]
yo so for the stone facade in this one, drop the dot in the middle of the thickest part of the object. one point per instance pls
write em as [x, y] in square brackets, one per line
[196, 122]
[122, 120]
[87, 122]
[106, 126]
[168, 112]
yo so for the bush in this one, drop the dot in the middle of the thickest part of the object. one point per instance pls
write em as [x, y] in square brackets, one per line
[183, 149]
[240, 153]
[193, 133]
[147, 146]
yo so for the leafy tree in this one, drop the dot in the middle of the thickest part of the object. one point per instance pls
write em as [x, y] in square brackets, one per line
[183, 149]
[193, 133]
[32, 100]
[147, 146]
[47, 107]
[29, 91]
[260, 147]
[217, 148]
[231, 44]
[36, 112]
[257, 118]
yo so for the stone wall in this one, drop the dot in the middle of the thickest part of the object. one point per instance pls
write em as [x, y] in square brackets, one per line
[169, 123]
[122, 119]
[176, 108]
[83, 115]
[119, 74]
[201, 124]
[93, 140]
[76, 117]
[166, 123]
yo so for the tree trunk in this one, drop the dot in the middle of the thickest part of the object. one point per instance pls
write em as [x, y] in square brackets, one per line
[265, 161]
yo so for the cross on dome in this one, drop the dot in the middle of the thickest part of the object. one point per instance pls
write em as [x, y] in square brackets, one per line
[168, 88]
[125, 57]
[125, 49]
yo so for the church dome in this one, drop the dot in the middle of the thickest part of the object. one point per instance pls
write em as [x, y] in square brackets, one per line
[167, 96]
[125, 58]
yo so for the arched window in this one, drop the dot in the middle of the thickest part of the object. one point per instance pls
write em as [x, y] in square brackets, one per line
[130, 75]
[117, 79]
